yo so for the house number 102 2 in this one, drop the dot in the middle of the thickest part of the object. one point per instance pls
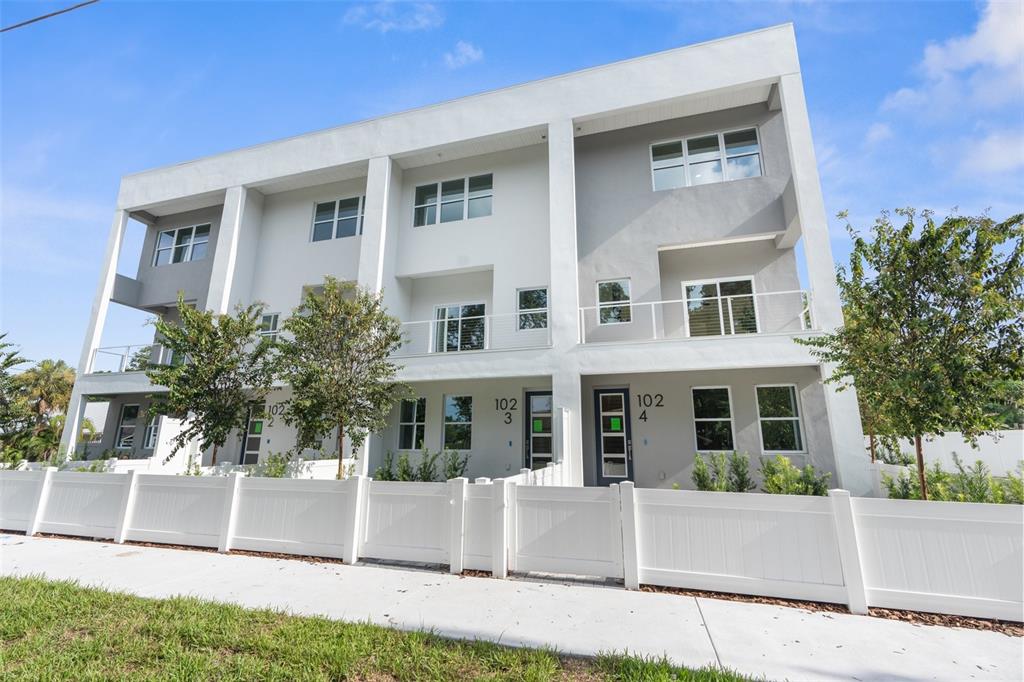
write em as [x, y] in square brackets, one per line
[646, 400]
[506, 405]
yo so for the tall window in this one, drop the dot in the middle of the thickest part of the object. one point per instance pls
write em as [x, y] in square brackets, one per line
[779, 415]
[706, 159]
[453, 200]
[458, 422]
[613, 302]
[717, 307]
[268, 326]
[459, 327]
[532, 306]
[712, 418]
[125, 437]
[149, 439]
[182, 245]
[412, 424]
[337, 219]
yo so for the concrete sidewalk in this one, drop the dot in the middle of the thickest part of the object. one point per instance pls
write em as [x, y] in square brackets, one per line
[776, 642]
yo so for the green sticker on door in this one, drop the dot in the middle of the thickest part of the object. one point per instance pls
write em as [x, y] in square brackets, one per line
[616, 423]
[538, 426]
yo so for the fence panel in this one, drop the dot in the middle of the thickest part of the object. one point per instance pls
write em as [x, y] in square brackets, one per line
[568, 530]
[19, 491]
[476, 553]
[407, 521]
[293, 516]
[86, 504]
[184, 510]
[772, 545]
[948, 557]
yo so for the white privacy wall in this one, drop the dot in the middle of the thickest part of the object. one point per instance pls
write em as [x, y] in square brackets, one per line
[942, 557]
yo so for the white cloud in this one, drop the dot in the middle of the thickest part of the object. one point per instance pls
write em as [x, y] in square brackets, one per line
[463, 55]
[877, 133]
[395, 16]
[999, 152]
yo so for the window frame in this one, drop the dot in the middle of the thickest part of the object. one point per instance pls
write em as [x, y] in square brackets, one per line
[151, 433]
[717, 281]
[546, 310]
[445, 422]
[613, 304]
[174, 238]
[439, 200]
[360, 211]
[273, 332]
[731, 420]
[418, 420]
[799, 419]
[121, 425]
[435, 321]
[723, 156]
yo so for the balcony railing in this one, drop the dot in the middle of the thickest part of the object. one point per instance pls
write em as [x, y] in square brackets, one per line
[507, 331]
[775, 312]
[129, 358]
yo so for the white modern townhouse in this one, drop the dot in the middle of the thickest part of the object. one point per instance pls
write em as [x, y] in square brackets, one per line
[599, 270]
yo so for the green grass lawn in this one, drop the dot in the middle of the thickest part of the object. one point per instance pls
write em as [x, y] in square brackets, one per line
[58, 630]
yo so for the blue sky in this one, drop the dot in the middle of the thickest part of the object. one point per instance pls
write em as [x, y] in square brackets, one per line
[912, 104]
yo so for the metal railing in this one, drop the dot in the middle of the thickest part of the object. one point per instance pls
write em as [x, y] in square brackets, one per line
[134, 358]
[505, 331]
[710, 316]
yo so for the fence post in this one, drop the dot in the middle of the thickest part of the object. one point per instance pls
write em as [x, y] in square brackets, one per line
[499, 529]
[456, 542]
[230, 515]
[630, 539]
[124, 518]
[40, 507]
[356, 505]
[849, 551]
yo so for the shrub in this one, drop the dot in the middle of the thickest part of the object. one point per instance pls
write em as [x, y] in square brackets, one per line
[726, 474]
[405, 471]
[454, 464]
[781, 477]
[426, 470]
[965, 484]
[385, 472]
[274, 466]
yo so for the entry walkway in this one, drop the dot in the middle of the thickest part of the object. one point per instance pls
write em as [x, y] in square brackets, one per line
[776, 642]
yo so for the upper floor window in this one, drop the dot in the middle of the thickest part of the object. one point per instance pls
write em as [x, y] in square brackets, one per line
[706, 159]
[453, 200]
[337, 219]
[613, 302]
[532, 306]
[182, 244]
[460, 327]
[717, 307]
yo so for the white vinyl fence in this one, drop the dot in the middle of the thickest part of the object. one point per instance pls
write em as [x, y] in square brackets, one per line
[944, 557]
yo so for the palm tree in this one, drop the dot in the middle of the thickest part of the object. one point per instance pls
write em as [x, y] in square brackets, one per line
[47, 387]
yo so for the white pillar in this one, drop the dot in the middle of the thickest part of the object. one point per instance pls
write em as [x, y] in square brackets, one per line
[372, 247]
[235, 253]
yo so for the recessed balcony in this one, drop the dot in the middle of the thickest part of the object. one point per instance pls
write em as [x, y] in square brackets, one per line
[459, 329]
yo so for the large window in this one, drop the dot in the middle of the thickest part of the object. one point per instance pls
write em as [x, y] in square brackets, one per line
[412, 424]
[459, 327]
[337, 219]
[182, 245]
[453, 200]
[717, 307]
[706, 159]
[152, 430]
[613, 302]
[532, 307]
[458, 422]
[268, 326]
[779, 415]
[712, 418]
[125, 437]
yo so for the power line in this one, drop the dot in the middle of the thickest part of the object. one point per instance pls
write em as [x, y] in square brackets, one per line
[47, 16]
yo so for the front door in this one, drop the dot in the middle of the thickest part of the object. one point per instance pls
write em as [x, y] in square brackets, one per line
[614, 444]
[253, 436]
[539, 440]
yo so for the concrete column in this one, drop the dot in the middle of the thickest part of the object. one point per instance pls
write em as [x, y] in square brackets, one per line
[94, 331]
[372, 247]
[235, 254]
[843, 412]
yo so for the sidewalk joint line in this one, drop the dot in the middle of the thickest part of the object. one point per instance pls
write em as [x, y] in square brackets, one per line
[707, 629]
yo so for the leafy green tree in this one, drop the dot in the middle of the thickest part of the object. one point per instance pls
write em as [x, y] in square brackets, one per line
[933, 323]
[47, 387]
[226, 366]
[14, 409]
[336, 357]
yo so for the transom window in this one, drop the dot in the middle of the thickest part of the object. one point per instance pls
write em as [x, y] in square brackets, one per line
[459, 327]
[412, 424]
[268, 326]
[613, 302]
[779, 414]
[337, 219]
[458, 422]
[712, 418]
[453, 200]
[706, 159]
[532, 307]
[182, 245]
[125, 439]
[717, 307]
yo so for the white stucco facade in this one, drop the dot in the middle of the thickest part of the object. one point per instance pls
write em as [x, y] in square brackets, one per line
[571, 207]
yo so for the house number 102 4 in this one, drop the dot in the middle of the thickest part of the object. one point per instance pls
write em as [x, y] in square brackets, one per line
[645, 400]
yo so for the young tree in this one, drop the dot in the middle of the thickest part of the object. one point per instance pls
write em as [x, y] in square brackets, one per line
[47, 388]
[934, 324]
[225, 365]
[15, 413]
[335, 356]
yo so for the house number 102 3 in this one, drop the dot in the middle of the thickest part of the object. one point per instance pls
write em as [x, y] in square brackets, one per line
[506, 405]
[646, 400]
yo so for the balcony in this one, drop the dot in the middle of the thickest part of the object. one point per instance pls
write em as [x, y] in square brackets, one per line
[120, 359]
[456, 332]
[698, 316]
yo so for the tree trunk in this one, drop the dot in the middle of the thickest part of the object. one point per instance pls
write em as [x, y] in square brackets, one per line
[213, 456]
[920, 467]
[341, 443]
[871, 444]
